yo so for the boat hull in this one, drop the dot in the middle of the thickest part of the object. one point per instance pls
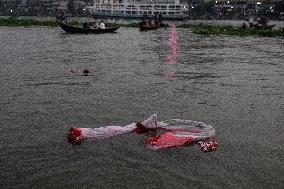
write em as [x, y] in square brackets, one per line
[72, 29]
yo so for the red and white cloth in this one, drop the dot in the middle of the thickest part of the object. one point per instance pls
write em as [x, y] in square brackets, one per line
[173, 133]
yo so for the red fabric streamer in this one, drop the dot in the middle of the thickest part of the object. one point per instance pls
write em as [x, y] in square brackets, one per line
[167, 140]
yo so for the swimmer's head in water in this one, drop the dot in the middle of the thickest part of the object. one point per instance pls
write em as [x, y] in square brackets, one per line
[86, 72]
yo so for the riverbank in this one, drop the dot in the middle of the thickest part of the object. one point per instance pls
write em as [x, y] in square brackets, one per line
[15, 22]
[197, 28]
[206, 29]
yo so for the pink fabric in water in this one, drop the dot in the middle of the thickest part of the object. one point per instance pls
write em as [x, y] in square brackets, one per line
[166, 140]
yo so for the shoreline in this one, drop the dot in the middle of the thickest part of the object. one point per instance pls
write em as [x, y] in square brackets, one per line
[197, 27]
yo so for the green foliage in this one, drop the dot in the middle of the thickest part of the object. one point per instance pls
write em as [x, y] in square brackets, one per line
[29, 22]
[203, 7]
[205, 29]
[279, 7]
[25, 22]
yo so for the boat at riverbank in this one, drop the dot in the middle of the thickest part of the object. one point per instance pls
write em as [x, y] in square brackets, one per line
[73, 29]
[137, 9]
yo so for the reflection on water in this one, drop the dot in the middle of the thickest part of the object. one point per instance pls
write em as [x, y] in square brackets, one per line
[173, 50]
[173, 45]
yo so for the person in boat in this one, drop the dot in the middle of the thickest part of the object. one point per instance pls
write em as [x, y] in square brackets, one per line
[160, 19]
[147, 23]
[156, 19]
[244, 26]
[143, 23]
[97, 25]
[102, 25]
[152, 23]
[61, 17]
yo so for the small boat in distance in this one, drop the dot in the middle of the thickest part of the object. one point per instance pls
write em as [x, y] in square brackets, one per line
[74, 29]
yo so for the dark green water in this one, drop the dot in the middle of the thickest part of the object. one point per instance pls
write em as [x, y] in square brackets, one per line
[234, 84]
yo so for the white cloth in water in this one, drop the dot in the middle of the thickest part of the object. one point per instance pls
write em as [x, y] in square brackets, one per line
[151, 122]
[109, 131]
[105, 132]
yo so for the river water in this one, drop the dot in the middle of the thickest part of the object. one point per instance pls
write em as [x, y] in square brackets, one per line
[234, 84]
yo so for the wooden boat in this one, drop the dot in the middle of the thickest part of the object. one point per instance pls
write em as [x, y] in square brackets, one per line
[73, 29]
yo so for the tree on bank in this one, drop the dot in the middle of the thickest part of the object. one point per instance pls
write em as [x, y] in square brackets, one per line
[203, 9]
[78, 7]
[70, 6]
[279, 7]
